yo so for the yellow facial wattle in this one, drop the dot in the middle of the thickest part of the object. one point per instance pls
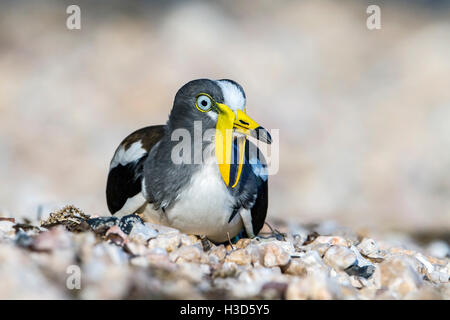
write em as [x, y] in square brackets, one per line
[227, 122]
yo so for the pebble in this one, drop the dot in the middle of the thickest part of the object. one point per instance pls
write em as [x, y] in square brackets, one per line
[439, 249]
[158, 262]
[168, 241]
[23, 239]
[275, 255]
[308, 264]
[6, 228]
[217, 253]
[141, 233]
[193, 272]
[116, 235]
[332, 241]
[340, 258]
[299, 234]
[362, 267]
[400, 276]
[316, 287]
[322, 243]
[369, 248]
[239, 256]
[56, 238]
[189, 253]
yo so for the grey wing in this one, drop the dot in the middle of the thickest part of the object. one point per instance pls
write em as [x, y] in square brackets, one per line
[124, 185]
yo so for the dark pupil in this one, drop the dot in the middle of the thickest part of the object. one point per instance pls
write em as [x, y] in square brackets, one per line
[204, 103]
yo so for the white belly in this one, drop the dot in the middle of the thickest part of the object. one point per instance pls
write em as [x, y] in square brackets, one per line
[203, 208]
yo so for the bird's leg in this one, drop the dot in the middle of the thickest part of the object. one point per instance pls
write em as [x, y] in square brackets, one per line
[229, 241]
[274, 233]
[206, 244]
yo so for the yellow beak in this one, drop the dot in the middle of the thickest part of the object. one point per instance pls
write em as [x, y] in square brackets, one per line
[227, 122]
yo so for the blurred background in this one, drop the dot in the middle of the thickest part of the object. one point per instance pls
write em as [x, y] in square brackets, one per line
[364, 115]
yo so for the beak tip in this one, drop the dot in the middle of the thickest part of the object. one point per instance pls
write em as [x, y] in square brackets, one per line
[263, 135]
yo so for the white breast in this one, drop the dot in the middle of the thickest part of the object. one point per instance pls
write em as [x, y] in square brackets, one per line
[203, 208]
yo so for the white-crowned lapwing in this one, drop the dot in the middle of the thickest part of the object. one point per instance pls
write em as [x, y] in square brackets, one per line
[219, 192]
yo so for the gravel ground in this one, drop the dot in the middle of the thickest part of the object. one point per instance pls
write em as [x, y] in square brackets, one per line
[72, 255]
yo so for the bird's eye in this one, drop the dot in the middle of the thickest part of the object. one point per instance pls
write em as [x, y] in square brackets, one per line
[203, 103]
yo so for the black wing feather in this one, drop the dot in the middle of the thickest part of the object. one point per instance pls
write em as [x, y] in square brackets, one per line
[251, 191]
[125, 181]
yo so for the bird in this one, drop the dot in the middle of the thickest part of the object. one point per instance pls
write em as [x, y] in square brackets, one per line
[200, 172]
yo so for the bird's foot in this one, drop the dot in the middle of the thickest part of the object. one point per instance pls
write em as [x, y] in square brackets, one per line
[206, 244]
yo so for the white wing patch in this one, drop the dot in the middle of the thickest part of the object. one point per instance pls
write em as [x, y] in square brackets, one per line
[123, 157]
[232, 95]
[247, 219]
[131, 205]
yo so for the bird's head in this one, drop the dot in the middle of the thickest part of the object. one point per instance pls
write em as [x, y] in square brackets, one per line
[219, 105]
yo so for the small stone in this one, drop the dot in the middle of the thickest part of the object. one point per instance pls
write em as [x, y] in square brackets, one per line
[242, 243]
[342, 278]
[189, 239]
[437, 277]
[428, 267]
[400, 276]
[141, 233]
[219, 252]
[299, 235]
[274, 290]
[136, 248]
[369, 248]
[193, 271]
[256, 253]
[362, 268]
[6, 228]
[296, 268]
[334, 241]
[160, 258]
[239, 256]
[322, 243]
[317, 287]
[161, 229]
[139, 261]
[309, 263]
[361, 271]
[116, 235]
[190, 253]
[228, 269]
[298, 240]
[321, 248]
[101, 224]
[275, 256]
[439, 249]
[340, 258]
[168, 241]
[250, 280]
[56, 238]
[356, 282]
[23, 239]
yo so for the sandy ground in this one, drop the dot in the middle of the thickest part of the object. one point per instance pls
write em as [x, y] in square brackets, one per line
[75, 256]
